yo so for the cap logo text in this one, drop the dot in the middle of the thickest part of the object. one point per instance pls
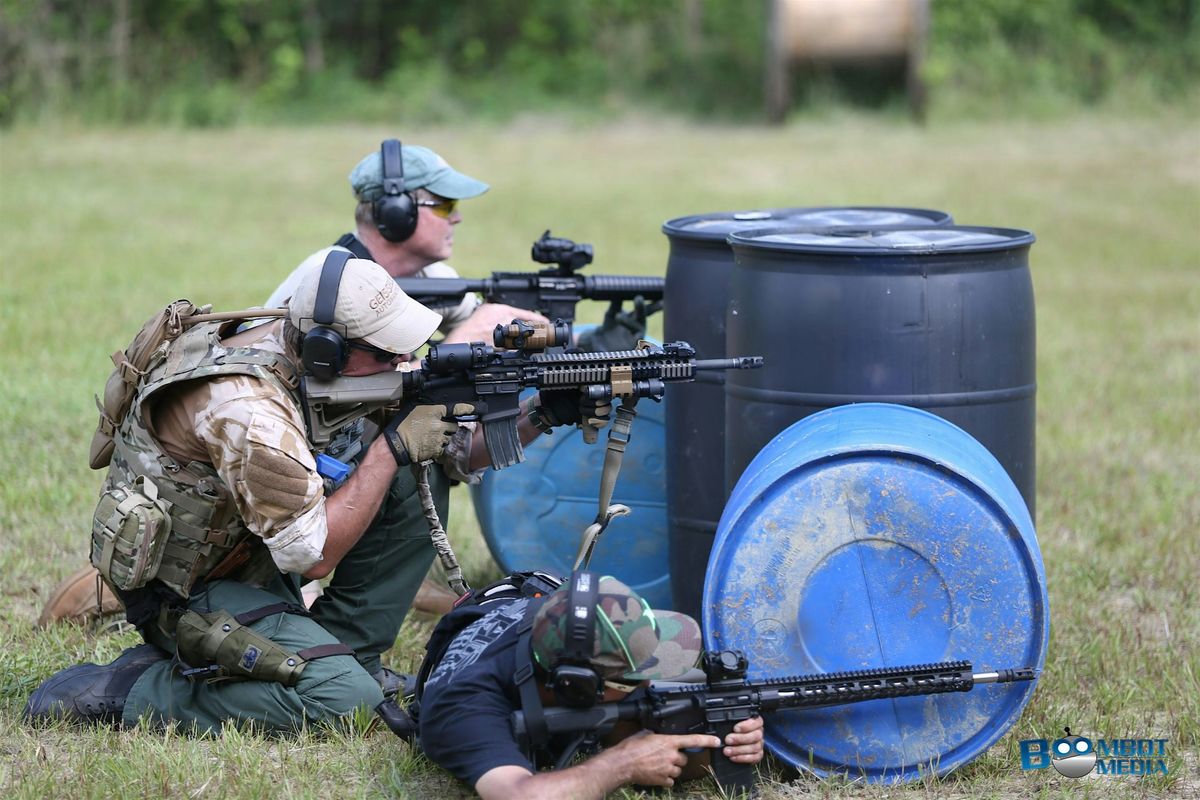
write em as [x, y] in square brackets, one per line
[383, 298]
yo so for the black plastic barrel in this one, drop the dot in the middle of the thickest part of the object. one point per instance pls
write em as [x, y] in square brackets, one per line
[935, 318]
[697, 293]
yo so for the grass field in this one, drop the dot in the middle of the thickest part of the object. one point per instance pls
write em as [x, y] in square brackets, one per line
[100, 228]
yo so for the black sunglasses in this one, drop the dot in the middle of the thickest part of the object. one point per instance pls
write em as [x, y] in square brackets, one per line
[381, 355]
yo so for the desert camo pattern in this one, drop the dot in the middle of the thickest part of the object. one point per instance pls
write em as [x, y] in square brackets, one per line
[242, 467]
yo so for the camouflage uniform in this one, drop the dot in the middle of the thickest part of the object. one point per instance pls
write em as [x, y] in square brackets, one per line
[372, 590]
[240, 440]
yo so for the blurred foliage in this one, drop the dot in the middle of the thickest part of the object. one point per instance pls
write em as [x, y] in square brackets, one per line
[215, 62]
[1008, 53]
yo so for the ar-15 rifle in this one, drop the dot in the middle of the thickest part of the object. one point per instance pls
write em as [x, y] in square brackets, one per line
[728, 697]
[491, 379]
[552, 292]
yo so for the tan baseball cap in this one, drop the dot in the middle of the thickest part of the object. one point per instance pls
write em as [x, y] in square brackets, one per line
[370, 307]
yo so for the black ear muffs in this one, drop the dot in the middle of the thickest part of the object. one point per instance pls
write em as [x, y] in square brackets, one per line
[395, 211]
[324, 350]
[575, 682]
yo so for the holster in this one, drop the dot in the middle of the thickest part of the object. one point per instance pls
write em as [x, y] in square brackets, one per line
[218, 646]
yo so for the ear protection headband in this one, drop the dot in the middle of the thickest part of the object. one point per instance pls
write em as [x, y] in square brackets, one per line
[572, 677]
[324, 350]
[395, 211]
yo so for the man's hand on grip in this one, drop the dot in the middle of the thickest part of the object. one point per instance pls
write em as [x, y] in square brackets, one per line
[421, 433]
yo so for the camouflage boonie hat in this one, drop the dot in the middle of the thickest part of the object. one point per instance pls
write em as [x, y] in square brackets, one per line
[632, 642]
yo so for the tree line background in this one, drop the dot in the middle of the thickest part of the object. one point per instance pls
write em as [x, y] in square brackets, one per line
[216, 62]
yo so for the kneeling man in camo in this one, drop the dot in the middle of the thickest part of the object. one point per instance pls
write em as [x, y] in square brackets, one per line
[213, 510]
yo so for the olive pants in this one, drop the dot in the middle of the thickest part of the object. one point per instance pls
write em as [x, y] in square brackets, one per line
[363, 607]
[373, 587]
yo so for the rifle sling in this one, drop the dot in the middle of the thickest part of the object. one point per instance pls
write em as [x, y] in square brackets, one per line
[531, 704]
[437, 533]
[618, 440]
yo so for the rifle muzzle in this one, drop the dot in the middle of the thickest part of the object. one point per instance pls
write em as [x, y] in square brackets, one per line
[739, 362]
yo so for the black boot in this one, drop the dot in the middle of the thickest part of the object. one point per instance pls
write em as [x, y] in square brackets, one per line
[397, 719]
[89, 692]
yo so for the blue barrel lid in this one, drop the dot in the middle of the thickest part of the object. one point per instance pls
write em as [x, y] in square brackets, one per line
[533, 515]
[877, 535]
[878, 241]
[717, 226]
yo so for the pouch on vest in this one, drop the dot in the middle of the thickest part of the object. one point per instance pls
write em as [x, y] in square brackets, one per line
[131, 364]
[218, 647]
[129, 534]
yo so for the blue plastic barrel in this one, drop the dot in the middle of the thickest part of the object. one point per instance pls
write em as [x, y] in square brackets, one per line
[877, 535]
[533, 515]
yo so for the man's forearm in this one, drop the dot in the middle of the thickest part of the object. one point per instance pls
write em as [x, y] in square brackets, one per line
[351, 508]
[595, 778]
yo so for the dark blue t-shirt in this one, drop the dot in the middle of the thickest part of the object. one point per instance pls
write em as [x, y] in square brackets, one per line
[468, 701]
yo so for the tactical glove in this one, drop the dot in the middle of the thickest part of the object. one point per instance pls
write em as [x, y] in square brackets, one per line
[621, 330]
[554, 407]
[421, 433]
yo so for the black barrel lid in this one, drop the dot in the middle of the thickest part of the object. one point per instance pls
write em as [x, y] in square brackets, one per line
[874, 241]
[717, 226]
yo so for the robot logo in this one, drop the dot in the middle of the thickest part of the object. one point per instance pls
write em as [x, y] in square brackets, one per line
[1076, 756]
[1072, 756]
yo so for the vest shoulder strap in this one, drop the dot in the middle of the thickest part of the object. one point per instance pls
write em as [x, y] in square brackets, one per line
[355, 246]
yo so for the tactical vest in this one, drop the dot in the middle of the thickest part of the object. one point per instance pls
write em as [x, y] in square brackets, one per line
[158, 518]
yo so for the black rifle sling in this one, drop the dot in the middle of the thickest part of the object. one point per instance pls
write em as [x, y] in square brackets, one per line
[352, 243]
[531, 704]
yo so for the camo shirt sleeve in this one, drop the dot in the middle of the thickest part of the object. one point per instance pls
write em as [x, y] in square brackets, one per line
[255, 440]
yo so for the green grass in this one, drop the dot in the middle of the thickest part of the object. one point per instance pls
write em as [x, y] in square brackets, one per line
[100, 228]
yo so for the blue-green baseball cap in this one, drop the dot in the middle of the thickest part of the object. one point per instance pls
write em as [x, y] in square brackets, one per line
[423, 169]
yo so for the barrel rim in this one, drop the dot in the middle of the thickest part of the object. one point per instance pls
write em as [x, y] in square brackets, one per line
[675, 227]
[746, 240]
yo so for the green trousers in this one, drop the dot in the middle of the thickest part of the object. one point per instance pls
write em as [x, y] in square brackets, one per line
[363, 607]
[373, 587]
